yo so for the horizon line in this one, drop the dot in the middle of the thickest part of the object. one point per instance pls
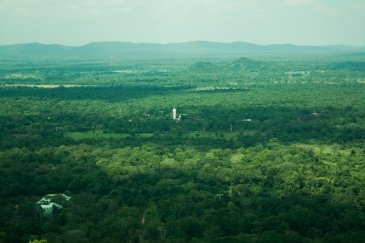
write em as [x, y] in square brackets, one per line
[184, 42]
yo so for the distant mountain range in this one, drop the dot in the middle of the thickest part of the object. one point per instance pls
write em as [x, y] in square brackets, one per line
[127, 50]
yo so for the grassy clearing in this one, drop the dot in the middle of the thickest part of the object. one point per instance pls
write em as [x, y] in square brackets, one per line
[217, 135]
[212, 135]
[321, 149]
[96, 134]
[100, 134]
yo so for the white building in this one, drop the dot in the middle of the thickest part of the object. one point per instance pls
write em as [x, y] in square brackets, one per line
[47, 204]
[174, 113]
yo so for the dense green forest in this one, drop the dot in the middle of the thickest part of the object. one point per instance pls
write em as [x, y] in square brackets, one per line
[262, 150]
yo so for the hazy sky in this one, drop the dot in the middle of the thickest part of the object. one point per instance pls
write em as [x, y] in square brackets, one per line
[76, 22]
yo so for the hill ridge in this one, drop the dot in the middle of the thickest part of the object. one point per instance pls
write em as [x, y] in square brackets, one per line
[115, 49]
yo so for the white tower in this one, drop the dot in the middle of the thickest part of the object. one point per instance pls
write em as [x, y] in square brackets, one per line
[173, 114]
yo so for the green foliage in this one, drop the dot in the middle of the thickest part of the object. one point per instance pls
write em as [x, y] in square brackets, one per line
[263, 152]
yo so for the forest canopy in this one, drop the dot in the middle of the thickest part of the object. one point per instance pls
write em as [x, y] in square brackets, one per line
[261, 150]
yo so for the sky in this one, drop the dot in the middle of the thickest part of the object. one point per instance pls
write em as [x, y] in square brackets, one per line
[78, 22]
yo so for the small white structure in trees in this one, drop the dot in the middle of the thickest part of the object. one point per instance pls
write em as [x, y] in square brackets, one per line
[174, 113]
[247, 120]
[47, 204]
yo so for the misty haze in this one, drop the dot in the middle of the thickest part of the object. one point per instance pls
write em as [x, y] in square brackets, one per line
[182, 121]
